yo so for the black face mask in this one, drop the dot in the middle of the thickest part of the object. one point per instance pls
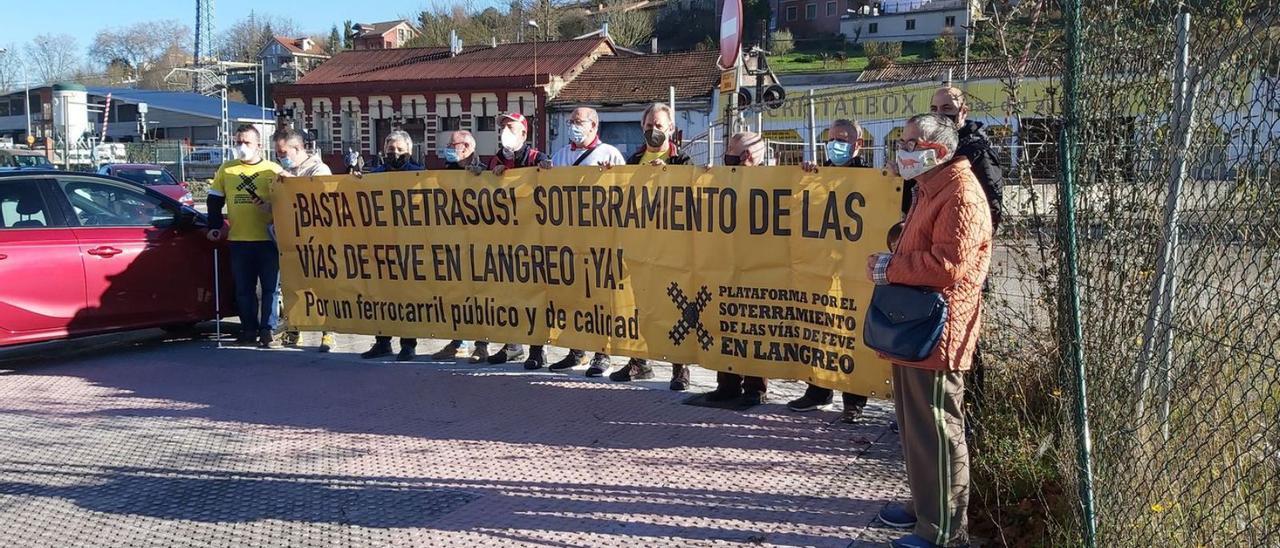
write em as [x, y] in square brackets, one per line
[732, 159]
[954, 118]
[395, 161]
[655, 138]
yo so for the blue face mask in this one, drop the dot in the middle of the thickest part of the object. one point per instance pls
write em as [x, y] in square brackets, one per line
[577, 134]
[839, 152]
[286, 162]
[451, 155]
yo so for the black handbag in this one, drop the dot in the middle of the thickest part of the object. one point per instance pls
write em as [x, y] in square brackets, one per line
[904, 322]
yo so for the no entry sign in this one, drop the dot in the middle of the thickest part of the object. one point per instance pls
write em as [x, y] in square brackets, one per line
[730, 34]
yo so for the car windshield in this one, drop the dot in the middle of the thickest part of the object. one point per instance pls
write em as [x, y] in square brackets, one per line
[29, 160]
[147, 177]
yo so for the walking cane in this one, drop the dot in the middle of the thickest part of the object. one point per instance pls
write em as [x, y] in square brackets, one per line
[217, 298]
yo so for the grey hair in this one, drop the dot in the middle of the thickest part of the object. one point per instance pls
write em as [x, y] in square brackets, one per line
[465, 135]
[399, 135]
[753, 143]
[853, 126]
[655, 108]
[939, 129]
[591, 114]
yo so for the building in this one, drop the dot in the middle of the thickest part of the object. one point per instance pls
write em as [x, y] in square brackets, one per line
[812, 18]
[75, 111]
[621, 87]
[910, 20]
[356, 98]
[384, 35]
[285, 59]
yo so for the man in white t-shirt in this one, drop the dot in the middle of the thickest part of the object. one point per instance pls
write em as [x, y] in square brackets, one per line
[584, 149]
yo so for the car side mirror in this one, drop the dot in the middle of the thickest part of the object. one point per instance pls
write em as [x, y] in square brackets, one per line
[184, 220]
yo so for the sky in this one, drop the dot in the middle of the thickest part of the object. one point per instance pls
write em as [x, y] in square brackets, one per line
[83, 18]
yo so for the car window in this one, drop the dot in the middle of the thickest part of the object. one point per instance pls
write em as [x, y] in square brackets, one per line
[105, 204]
[21, 205]
[28, 160]
[147, 176]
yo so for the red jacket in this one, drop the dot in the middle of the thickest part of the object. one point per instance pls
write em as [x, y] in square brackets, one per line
[946, 246]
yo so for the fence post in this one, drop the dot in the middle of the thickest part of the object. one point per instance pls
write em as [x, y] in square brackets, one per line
[1072, 333]
[811, 138]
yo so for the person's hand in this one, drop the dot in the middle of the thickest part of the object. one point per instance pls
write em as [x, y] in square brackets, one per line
[809, 167]
[214, 234]
[545, 164]
[359, 174]
[475, 169]
[657, 162]
[605, 166]
[871, 265]
[892, 169]
[498, 169]
[262, 206]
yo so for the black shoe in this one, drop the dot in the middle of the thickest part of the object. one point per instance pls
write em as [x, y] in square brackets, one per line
[570, 361]
[851, 415]
[754, 398]
[379, 350]
[508, 353]
[679, 377]
[537, 360]
[599, 364]
[407, 354]
[807, 403]
[723, 395]
[636, 370]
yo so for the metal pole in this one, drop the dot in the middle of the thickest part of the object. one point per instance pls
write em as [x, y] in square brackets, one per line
[182, 162]
[26, 80]
[217, 297]
[811, 138]
[1072, 330]
[671, 102]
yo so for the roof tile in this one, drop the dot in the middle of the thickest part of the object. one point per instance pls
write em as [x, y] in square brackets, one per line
[627, 79]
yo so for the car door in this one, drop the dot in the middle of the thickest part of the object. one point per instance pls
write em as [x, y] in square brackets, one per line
[42, 290]
[136, 261]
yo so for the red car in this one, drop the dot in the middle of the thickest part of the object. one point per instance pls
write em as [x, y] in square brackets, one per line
[82, 254]
[154, 176]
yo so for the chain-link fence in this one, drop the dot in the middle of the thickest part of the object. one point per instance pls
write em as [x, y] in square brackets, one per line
[1160, 121]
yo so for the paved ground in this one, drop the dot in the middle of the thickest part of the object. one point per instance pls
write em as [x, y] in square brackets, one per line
[148, 442]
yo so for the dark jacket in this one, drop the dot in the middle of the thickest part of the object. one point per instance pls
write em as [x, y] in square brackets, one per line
[678, 157]
[527, 156]
[410, 166]
[474, 160]
[857, 162]
[976, 147]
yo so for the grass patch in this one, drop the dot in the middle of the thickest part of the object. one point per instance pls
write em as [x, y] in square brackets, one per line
[855, 59]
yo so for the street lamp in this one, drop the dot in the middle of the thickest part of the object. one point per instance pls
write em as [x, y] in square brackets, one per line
[534, 24]
[26, 83]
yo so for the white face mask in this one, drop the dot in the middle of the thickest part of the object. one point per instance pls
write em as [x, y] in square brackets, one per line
[914, 164]
[244, 153]
[510, 141]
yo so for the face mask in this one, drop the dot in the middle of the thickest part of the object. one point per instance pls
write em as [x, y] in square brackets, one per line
[655, 138]
[578, 134]
[914, 164]
[451, 155]
[395, 161]
[243, 152]
[286, 162]
[510, 141]
[732, 159]
[953, 117]
[839, 152]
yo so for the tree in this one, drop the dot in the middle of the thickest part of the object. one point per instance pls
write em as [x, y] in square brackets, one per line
[782, 42]
[131, 50]
[628, 27]
[347, 35]
[681, 27]
[945, 46]
[244, 40]
[10, 68]
[52, 57]
[335, 41]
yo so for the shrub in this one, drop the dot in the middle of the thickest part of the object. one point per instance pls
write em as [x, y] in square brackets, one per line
[945, 46]
[782, 42]
[881, 54]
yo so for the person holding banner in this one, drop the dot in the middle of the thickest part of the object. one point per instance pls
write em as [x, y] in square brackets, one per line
[658, 125]
[514, 153]
[459, 154]
[744, 149]
[844, 140]
[584, 149]
[295, 161]
[397, 150]
[946, 247]
[243, 185]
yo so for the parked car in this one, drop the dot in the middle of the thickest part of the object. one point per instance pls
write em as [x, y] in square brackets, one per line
[21, 158]
[82, 254]
[154, 176]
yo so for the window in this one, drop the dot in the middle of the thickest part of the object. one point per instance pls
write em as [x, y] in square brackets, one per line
[950, 21]
[486, 123]
[146, 176]
[450, 123]
[831, 9]
[791, 13]
[103, 204]
[911, 24]
[873, 28]
[811, 12]
[21, 205]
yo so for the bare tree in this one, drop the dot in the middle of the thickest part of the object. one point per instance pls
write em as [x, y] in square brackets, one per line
[138, 46]
[628, 26]
[10, 68]
[244, 40]
[52, 57]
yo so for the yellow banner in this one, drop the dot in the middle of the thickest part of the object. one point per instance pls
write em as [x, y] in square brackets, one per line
[986, 99]
[759, 271]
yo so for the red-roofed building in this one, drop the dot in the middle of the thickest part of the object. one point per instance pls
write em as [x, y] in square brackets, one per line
[355, 99]
[286, 59]
[384, 35]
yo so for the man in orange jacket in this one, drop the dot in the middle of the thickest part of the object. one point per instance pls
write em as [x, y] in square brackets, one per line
[945, 246]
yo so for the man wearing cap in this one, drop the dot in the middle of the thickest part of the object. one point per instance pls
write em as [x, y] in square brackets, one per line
[514, 153]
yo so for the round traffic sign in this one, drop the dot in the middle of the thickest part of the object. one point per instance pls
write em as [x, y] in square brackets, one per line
[730, 34]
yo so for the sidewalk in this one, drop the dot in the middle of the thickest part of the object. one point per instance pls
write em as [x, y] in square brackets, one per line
[183, 444]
